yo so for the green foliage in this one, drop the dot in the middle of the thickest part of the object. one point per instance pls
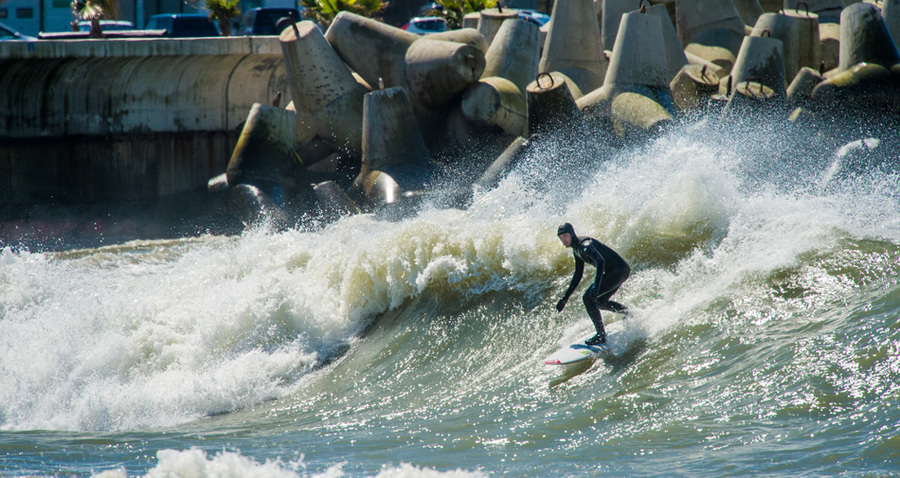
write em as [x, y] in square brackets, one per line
[223, 11]
[91, 9]
[454, 10]
[324, 11]
[94, 10]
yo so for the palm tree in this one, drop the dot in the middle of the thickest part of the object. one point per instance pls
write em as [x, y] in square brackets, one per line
[94, 10]
[455, 10]
[223, 11]
[324, 11]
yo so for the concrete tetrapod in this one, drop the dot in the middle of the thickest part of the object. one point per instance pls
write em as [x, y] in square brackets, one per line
[718, 47]
[771, 5]
[573, 45]
[862, 101]
[639, 75]
[551, 106]
[808, 44]
[468, 36]
[638, 67]
[471, 136]
[675, 56]
[515, 53]
[865, 38]
[829, 16]
[827, 10]
[864, 93]
[751, 99]
[711, 30]
[557, 127]
[439, 71]
[470, 20]
[517, 150]
[491, 19]
[890, 10]
[395, 158]
[693, 87]
[333, 202]
[253, 206]
[612, 16]
[636, 115]
[786, 29]
[376, 51]
[264, 155]
[749, 10]
[496, 102]
[695, 18]
[758, 79]
[323, 87]
[761, 60]
[799, 92]
[639, 57]
[557, 77]
[829, 45]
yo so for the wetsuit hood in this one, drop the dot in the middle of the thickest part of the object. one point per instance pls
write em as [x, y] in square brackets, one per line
[567, 228]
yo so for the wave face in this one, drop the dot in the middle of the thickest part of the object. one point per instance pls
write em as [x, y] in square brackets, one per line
[763, 340]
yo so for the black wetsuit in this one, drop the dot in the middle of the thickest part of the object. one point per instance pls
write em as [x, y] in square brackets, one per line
[612, 271]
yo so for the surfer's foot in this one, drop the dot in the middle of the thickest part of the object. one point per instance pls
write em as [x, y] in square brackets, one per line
[596, 340]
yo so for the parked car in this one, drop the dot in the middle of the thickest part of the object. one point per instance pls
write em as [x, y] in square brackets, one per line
[538, 18]
[265, 20]
[426, 25]
[106, 25]
[9, 33]
[183, 25]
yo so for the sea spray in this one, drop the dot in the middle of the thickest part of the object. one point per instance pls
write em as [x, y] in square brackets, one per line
[763, 322]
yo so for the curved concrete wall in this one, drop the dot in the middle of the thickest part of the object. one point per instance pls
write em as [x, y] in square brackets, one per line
[97, 87]
[188, 97]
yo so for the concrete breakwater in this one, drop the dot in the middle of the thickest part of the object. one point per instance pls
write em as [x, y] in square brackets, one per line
[447, 103]
[380, 118]
[122, 120]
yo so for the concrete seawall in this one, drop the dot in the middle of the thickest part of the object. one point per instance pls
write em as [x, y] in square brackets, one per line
[113, 120]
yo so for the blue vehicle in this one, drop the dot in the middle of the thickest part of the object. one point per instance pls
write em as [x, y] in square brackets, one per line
[106, 25]
[9, 33]
[184, 25]
[426, 25]
[267, 20]
[538, 18]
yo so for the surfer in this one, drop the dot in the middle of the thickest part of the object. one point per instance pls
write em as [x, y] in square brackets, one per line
[612, 271]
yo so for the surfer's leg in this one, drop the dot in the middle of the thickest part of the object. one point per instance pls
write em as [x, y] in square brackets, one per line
[593, 311]
[609, 286]
[613, 306]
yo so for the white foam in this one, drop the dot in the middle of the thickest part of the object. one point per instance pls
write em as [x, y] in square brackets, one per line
[197, 463]
[151, 334]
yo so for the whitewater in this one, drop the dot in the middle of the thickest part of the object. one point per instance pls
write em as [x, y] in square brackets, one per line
[763, 339]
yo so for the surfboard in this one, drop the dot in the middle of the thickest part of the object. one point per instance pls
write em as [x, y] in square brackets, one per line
[576, 353]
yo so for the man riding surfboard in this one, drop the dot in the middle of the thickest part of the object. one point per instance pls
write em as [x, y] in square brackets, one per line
[612, 271]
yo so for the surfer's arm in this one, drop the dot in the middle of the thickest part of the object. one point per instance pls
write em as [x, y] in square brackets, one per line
[576, 279]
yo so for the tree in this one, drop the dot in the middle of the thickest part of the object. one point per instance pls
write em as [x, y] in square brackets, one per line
[94, 10]
[454, 10]
[223, 11]
[324, 11]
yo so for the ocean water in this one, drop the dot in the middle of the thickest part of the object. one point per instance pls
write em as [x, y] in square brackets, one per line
[764, 338]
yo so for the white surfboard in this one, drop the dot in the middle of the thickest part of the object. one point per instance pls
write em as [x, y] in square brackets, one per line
[576, 353]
